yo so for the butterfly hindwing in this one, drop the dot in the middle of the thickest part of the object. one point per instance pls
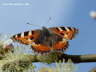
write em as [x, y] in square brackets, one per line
[58, 46]
[40, 48]
[61, 45]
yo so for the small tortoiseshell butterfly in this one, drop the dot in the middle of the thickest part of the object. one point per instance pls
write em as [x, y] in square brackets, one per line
[47, 39]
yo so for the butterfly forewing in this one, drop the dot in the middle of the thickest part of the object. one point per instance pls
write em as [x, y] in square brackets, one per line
[26, 37]
[66, 32]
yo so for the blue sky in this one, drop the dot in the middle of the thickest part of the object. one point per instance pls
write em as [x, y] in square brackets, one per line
[13, 19]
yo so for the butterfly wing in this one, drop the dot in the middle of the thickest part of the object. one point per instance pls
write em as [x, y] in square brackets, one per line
[61, 45]
[41, 48]
[66, 32]
[30, 38]
[26, 37]
[58, 46]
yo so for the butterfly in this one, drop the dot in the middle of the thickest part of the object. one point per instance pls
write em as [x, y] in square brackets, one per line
[47, 39]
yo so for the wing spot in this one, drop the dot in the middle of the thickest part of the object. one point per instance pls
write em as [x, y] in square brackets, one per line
[62, 33]
[57, 29]
[69, 28]
[18, 35]
[33, 32]
[14, 36]
[30, 33]
[26, 33]
[60, 29]
[32, 38]
[63, 28]
[22, 34]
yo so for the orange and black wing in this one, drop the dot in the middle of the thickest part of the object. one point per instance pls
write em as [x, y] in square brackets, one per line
[41, 48]
[61, 45]
[30, 38]
[26, 37]
[66, 32]
[58, 46]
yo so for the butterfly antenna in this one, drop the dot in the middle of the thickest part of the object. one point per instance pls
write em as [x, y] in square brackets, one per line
[34, 24]
[49, 20]
[39, 25]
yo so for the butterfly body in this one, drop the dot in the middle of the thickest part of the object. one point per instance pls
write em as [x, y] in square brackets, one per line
[47, 39]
